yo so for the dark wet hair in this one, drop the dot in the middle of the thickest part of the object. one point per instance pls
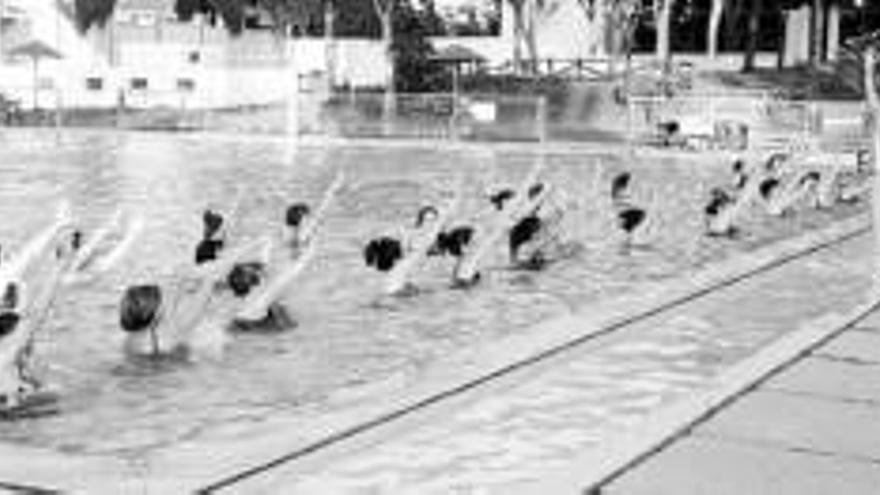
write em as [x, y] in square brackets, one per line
[244, 277]
[719, 198]
[453, 242]
[76, 240]
[139, 308]
[524, 231]
[212, 222]
[810, 176]
[739, 165]
[208, 250]
[630, 218]
[619, 184]
[774, 160]
[383, 253]
[670, 127]
[535, 190]
[10, 295]
[499, 198]
[295, 213]
[767, 187]
[423, 212]
[8, 321]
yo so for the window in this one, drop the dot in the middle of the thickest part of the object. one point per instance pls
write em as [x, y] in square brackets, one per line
[187, 85]
[139, 83]
[194, 57]
[94, 83]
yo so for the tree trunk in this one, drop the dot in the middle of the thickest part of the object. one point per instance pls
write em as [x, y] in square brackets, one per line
[731, 16]
[531, 35]
[817, 51]
[752, 36]
[388, 103]
[873, 104]
[518, 37]
[663, 21]
[714, 24]
[833, 32]
[329, 47]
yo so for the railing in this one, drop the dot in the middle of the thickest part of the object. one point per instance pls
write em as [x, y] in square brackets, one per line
[442, 116]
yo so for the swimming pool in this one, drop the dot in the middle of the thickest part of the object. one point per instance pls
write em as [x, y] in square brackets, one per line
[343, 340]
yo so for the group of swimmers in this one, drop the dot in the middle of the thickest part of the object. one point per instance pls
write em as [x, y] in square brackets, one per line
[782, 183]
[236, 285]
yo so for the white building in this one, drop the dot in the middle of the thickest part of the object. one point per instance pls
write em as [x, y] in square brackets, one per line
[145, 57]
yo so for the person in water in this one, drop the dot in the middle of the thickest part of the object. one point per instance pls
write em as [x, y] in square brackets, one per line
[384, 252]
[534, 240]
[19, 315]
[740, 177]
[213, 239]
[189, 315]
[719, 201]
[295, 219]
[629, 216]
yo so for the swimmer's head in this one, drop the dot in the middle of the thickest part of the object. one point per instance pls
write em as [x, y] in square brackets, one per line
[139, 309]
[212, 222]
[810, 177]
[8, 321]
[619, 184]
[383, 253]
[426, 213]
[244, 277]
[76, 240]
[208, 250]
[773, 162]
[738, 166]
[524, 231]
[535, 190]
[295, 214]
[499, 198]
[10, 295]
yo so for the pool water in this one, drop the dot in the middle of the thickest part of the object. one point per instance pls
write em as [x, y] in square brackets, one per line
[344, 339]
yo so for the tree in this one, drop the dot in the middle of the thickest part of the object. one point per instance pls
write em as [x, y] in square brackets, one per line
[414, 70]
[752, 35]
[384, 10]
[715, 16]
[664, 16]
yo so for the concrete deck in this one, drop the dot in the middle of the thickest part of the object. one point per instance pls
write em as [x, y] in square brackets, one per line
[811, 429]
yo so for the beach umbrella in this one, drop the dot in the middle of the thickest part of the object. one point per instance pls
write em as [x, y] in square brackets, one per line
[35, 50]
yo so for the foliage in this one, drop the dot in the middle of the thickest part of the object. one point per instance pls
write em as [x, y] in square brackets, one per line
[414, 69]
[284, 13]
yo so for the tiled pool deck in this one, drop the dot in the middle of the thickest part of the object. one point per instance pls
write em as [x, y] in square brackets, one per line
[811, 429]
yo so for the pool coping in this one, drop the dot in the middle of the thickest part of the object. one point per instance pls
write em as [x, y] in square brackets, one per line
[618, 453]
[183, 466]
[534, 147]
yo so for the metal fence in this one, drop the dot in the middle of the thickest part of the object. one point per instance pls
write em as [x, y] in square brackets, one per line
[444, 116]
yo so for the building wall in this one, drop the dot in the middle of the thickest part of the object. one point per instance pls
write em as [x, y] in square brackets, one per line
[188, 64]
